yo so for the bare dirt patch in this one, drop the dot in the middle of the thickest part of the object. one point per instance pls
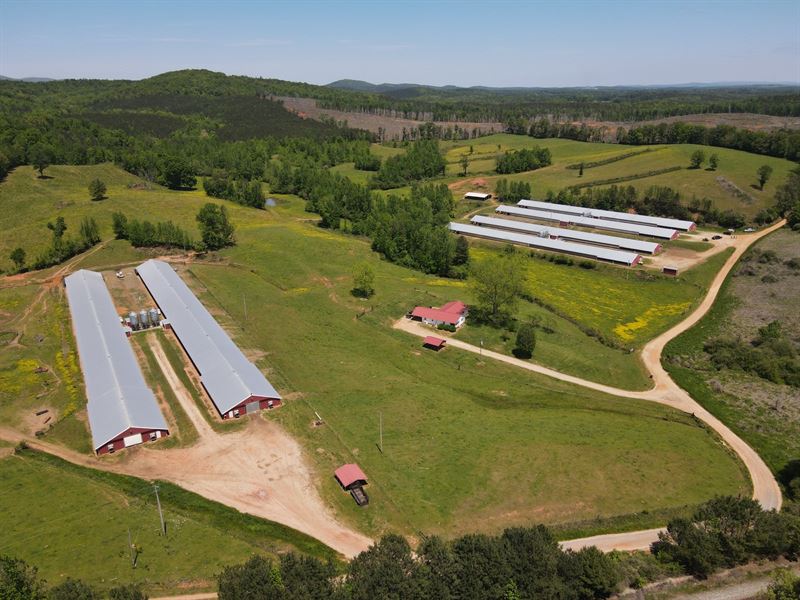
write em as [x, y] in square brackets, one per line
[392, 126]
[749, 121]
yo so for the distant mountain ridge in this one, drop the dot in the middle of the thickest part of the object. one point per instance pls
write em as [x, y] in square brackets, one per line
[27, 79]
[383, 88]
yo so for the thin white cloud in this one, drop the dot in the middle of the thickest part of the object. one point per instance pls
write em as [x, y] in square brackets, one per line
[258, 43]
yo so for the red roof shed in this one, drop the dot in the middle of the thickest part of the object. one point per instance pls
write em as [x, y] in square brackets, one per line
[433, 342]
[350, 474]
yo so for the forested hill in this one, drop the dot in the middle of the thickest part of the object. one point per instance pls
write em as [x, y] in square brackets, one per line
[476, 104]
[188, 102]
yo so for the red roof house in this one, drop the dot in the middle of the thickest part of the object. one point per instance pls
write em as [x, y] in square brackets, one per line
[349, 475]
[453, 313]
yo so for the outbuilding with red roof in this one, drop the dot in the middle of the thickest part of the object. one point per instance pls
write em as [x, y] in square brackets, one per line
[434, 343]
[350, 475]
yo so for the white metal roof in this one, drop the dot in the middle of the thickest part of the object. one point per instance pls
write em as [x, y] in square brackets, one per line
[617, 256]
[478, 195]
[227, 375]
[542, 215]
[118, 396]
[569, 234]
[612, 215]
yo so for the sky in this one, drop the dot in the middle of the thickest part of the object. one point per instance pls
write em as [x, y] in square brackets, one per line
[502, 43]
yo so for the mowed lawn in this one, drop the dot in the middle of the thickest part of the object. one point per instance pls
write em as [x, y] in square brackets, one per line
[74, 522]
[468, 445]
[734, 165]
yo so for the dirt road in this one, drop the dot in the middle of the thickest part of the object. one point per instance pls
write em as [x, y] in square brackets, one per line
[664, 391]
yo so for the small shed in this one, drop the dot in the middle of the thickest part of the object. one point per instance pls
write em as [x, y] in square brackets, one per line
[434, 343]
[477, 196]
[350, 476]
[669, 270]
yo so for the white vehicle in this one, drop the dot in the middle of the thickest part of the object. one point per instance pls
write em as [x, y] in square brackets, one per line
[119, 274]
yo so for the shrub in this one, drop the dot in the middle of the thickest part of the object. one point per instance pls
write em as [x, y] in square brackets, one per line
[526, 341]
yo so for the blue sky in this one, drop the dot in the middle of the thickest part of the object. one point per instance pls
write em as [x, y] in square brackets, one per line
[461, 43]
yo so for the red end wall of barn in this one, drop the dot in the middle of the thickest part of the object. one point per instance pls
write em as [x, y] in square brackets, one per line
[263, 403]
[119, 443]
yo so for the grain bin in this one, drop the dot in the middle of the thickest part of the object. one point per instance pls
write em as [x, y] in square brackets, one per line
[144, 319]
[154, 318]
[134, 320]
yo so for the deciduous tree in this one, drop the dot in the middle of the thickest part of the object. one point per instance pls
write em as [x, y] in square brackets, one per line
[97, 189]
[526, 341]
[697, 159]
[497, 283]
[363, 280]
[764, 173]
[18, 258]
[215, 227]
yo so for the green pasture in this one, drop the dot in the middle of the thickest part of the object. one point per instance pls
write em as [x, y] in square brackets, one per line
[629, 306]
[71, 521]
[735, 166]
[468, 444]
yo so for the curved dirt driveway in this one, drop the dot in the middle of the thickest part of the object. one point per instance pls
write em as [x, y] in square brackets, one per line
[664, 391]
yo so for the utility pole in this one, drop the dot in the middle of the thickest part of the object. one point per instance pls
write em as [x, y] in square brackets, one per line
[160, 514]
[244, 301]
[380, 421]
[481, 352]
[130, 549]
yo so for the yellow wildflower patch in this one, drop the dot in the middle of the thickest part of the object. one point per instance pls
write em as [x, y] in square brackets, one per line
[629, 331]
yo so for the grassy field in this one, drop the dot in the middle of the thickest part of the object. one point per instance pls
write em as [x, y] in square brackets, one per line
[629, 307]
[27, 203]
[82, 530]
[467, 444]
[735, 166]
[765, 414]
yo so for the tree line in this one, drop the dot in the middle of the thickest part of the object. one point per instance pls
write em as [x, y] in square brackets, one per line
[657, 200]
[781, 143]
[62, 247]
[521, 563]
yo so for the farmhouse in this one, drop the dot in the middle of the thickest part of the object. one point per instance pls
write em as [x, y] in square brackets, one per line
[477, 196]
[234, 384]
[453, 313]
[122, 410]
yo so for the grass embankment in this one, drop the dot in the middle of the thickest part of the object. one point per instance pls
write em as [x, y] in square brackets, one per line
[746, 403]
[467, 444]
[72, 521]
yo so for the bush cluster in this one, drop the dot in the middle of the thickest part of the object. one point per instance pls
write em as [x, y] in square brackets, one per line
[526, 159]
